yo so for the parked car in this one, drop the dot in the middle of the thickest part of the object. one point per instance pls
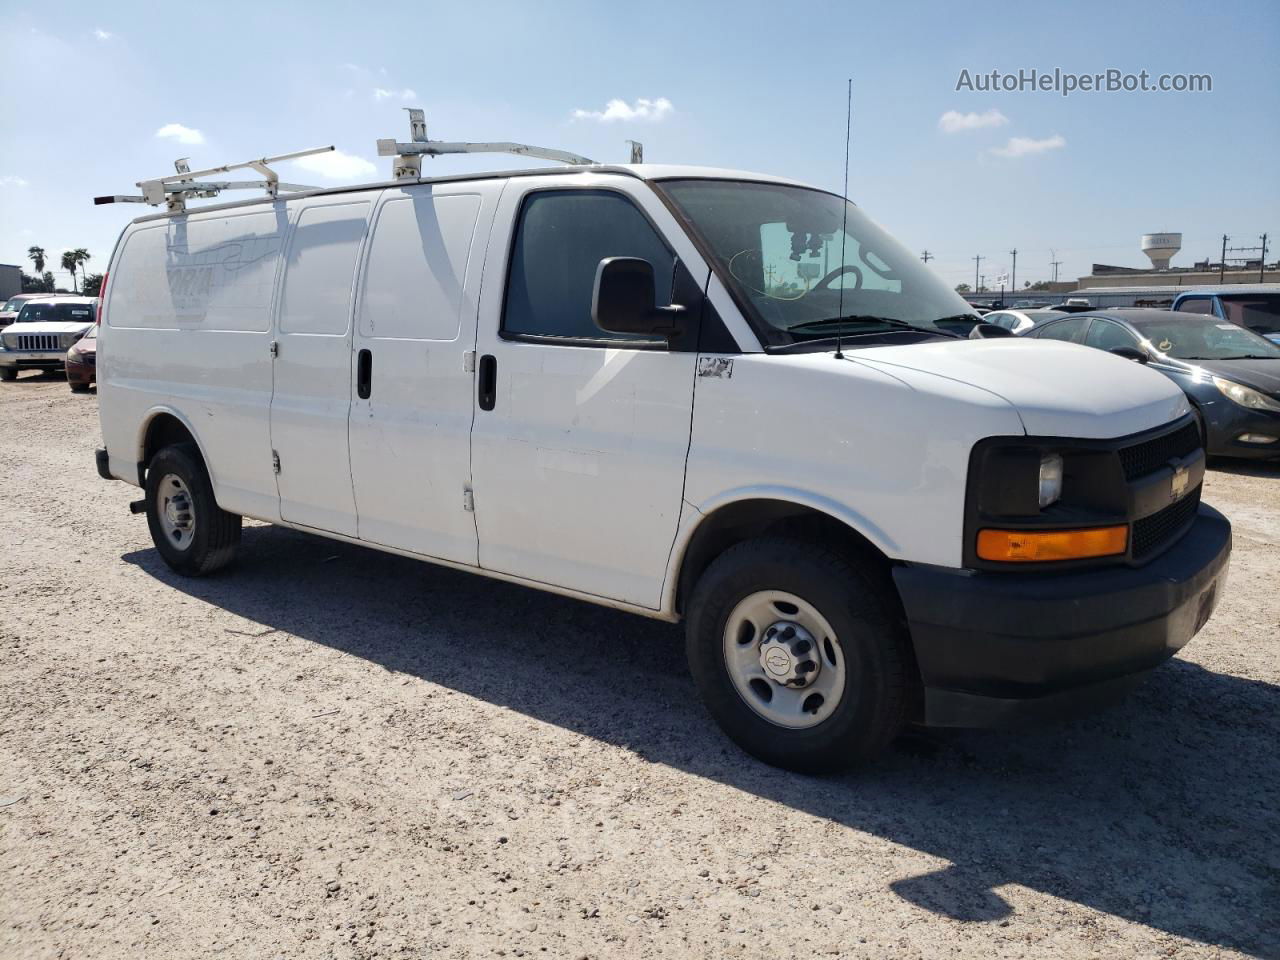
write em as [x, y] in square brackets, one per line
[82, 361]
[42, 334]
[1029, 304]
[649, 404]
[9, 311]
[1256, 307]
[1230, 374]
[1020, 321]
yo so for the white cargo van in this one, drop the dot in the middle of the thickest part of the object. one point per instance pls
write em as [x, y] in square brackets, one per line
[693, 394]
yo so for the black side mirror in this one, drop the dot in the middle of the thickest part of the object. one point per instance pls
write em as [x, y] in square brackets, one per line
[1131, 353]
[624, 300]
[989, 331]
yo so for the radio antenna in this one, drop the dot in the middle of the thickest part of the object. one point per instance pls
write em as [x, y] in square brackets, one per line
[844, 209]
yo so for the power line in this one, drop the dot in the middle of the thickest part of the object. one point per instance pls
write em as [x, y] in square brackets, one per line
[927, 256]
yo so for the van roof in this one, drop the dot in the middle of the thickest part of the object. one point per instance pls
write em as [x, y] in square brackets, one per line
[640, 171]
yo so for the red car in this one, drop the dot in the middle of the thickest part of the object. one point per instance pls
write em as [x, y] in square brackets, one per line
[82, 362]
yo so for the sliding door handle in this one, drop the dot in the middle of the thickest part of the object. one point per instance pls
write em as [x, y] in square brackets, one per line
[487, 382]
[364, 374]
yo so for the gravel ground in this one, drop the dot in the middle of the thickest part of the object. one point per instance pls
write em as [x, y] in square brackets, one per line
[331, 752]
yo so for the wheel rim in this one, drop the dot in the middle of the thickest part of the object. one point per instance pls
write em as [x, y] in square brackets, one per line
[784, 659]
[176, 511]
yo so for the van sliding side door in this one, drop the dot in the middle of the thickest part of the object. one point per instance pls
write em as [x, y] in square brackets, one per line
[311, 400]
[411, 370]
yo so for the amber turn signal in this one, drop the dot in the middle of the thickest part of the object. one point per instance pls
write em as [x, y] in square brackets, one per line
[1045, 546]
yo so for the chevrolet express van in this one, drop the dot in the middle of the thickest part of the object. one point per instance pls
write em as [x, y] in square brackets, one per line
[699, 395]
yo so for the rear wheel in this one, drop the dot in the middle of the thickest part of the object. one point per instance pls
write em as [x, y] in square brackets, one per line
[79, 387]
[8, 374]
[797, 655]
[193, 534]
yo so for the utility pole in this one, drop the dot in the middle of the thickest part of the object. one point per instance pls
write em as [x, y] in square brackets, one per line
[1013, 281]
[1054, 262]
[982, 282]
[1222, 267]
[927, 256]
[977, 262]
[1262, 261]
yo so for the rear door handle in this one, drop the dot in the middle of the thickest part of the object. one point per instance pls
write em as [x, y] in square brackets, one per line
[364, 374]
[487, 382]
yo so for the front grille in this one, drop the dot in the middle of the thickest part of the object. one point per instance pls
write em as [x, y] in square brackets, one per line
[1150, 455]
[1161, 528]
[33, 341]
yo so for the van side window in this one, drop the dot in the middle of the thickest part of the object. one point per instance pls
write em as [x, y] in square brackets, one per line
[1196, 305]
[560, 240]
[418, 262]
[320, 269]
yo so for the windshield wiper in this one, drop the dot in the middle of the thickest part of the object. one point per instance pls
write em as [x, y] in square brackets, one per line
[868, 318]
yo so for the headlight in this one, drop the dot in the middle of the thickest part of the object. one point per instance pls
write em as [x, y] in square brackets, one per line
[1247, 397]
[1050, 479]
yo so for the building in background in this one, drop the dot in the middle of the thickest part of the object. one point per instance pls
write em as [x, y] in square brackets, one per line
[10, 280]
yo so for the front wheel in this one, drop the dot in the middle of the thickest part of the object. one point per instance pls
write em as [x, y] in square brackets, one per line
[193, 534]
[796, 655]
[8, 374]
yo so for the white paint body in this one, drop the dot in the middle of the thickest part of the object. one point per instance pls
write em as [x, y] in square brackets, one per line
[596, 465]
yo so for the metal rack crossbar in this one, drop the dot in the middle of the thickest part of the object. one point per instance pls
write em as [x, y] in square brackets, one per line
[173, 191]
[408, 156]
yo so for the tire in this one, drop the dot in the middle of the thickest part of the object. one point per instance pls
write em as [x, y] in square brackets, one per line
[79, 387]
[870, 662]
[207, 540]
[8, 374]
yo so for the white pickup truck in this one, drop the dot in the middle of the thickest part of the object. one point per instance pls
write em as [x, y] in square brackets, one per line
[695, 394]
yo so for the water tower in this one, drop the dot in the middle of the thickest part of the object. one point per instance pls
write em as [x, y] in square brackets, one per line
[1161, 247]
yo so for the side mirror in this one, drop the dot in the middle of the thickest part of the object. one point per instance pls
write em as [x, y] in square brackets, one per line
[624, 300]
[989, 331]
[1131, 353]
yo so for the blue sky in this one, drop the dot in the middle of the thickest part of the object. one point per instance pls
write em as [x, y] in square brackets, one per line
[746, 85]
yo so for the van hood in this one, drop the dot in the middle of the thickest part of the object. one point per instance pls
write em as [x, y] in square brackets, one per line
[1058, 389]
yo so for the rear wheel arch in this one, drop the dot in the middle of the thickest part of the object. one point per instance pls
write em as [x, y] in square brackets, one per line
[164, 428]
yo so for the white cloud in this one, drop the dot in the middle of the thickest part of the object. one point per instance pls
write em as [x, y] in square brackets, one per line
[381, 93]
[176, 131]
[336, 165]
[1024, 146]
[642, 109]
[103, 34]
[953, 121]
[8, 180]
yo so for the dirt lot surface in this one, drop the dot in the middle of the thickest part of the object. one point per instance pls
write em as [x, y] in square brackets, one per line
[331, 752]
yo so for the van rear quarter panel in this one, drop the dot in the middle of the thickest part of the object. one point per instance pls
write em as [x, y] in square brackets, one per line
[189, 328]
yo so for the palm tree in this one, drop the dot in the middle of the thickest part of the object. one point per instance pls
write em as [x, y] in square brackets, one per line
[82, 257]
[69, 264]
[36, 256]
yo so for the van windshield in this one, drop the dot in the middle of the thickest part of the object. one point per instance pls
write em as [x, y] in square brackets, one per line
[800, 276]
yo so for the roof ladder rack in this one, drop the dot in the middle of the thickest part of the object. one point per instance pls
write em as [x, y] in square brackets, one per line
[174, 191]
[408, 156]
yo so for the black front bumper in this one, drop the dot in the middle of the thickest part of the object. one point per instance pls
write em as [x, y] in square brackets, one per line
[994, 649]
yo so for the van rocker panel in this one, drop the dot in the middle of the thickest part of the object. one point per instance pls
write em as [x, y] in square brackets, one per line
[996, 648]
